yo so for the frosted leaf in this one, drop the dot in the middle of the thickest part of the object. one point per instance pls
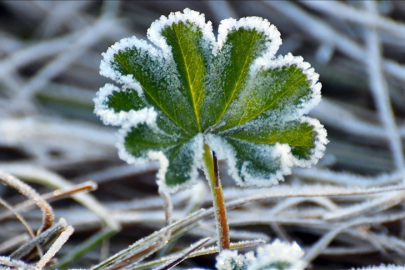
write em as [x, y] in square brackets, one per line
[188, 89]
[278, 256]
[231, 260]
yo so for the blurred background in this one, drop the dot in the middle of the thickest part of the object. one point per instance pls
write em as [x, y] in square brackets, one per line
[50, 53]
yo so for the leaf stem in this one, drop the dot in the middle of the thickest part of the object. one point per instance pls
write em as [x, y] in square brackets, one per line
[211, 172]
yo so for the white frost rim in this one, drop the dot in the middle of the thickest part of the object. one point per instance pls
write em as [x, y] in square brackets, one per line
[224, 150]
[273, 39]
[320, 144]
[280, 151]
[110, 117]
[194, 17]
[196, 144]
[287, 61]
[106, 65]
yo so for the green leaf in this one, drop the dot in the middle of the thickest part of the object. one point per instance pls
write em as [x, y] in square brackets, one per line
[177, 156]
[270, 90]
[231, 66]
[232, 94]
[192, 54]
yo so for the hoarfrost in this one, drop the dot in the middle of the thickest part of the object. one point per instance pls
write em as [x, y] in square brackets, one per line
[166, 78]
[231, 260]
[111, 117]
[269, 256]
[246, 175]
[106, 65]
[273, 40]
[287, 61]
[195, 18]
[320, 143]
[196, 147]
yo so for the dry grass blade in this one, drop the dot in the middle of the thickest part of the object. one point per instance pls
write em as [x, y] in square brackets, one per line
[178, 259]
[47, 213]
[39, 240]
[54, 195]
[56, 246]
[201, 252]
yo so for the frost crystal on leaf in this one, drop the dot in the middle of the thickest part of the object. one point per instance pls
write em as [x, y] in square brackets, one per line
[184, 89]
[227, 260]
[278, 256]
[275, 256]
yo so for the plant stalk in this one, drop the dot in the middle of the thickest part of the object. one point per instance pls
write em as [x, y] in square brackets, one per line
[211, 172]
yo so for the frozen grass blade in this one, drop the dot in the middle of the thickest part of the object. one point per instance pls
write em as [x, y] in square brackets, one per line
[178, 259]
[62, 238]
[39, 240]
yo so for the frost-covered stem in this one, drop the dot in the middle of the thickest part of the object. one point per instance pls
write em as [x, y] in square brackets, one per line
[211, 172]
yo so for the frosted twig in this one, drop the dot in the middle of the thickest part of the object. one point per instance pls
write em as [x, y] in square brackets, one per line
[349, 179]
[366, 19]
[21, 187]
[34, 52]
[324, 241]
[325, 202]
[88, 37]
[341, 251]
[323, 32]
[379, 89]
[380, 204]
[63, 13]
[121, 171]
[64, 236]
[321, 244]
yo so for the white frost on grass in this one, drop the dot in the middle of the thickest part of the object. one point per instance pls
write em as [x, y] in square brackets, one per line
[110, 117]
[272, 35]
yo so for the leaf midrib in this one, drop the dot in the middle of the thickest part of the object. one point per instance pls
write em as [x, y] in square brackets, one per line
[237, 83]
[191, 86]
